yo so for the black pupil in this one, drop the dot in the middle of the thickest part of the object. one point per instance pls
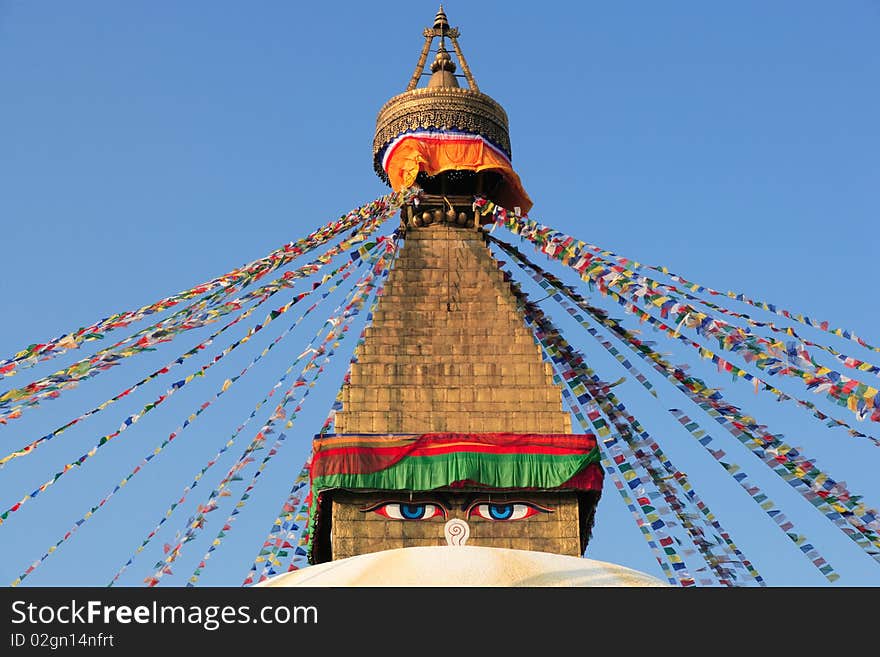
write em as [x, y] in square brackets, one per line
[412, 511]
[500, 511]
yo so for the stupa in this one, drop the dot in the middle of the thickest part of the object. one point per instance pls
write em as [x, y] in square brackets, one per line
[452, 434]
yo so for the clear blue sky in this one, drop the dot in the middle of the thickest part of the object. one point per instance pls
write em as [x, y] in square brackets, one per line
[147, 148]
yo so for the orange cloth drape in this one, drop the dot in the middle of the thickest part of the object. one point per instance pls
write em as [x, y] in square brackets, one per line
[412, 154]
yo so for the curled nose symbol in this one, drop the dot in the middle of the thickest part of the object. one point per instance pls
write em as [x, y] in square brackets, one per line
[457, 532]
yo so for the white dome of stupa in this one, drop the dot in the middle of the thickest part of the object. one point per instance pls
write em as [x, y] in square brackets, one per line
[464, 565]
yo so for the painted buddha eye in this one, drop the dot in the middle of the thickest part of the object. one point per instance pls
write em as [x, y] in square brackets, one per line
[408, 510]
[505, 510]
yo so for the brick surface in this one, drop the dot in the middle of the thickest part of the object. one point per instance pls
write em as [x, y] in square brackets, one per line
[448, 351]
[357, 528]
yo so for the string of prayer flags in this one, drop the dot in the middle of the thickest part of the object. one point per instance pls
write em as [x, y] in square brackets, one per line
[274, 547]
[663, 547]
[856, 396]
[801, 475]
[720, 574]
[227, 526]
[814, 485]
[361, 291]
[241, 427]
[52, 385]
[280, 543]
[220, 491]
[273, 561]
[29, 448]
[131, 419]
[654, 521]
[618, 264]
[560, 292]
[383, 207]
[174, 434]
[758, 496]
[773, 308]
[503, 217]
[738, 474]
[736, 471]
[664, 476]
[299, 556]
[587, 385]
[844, 359]
[847, 511]
[672, 332]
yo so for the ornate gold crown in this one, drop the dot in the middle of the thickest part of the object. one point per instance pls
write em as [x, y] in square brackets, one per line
[442, 104]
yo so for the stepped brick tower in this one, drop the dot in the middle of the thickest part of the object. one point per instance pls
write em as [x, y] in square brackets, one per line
[451, 428]
[448, 350]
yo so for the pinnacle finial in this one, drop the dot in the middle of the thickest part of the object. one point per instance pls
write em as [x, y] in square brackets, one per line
[440, 21]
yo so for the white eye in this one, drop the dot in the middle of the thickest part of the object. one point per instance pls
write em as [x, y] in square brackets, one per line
[391, 511]
[505, 511]
[408, 511]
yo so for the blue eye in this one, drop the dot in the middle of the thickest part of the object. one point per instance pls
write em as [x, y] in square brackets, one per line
[412, 511]
[500, 511]
[505, 511]
[407, 511]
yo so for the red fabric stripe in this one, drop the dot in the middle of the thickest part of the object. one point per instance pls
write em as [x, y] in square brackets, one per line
[360, 460]
[373, 457]
[495, 449]
[448, 449]
[575, 441]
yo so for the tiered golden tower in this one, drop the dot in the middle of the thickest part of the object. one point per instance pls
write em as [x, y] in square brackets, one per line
[451, 426]
[448, 350]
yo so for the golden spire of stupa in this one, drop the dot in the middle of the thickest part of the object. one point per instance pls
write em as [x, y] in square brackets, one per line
[445, 109]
